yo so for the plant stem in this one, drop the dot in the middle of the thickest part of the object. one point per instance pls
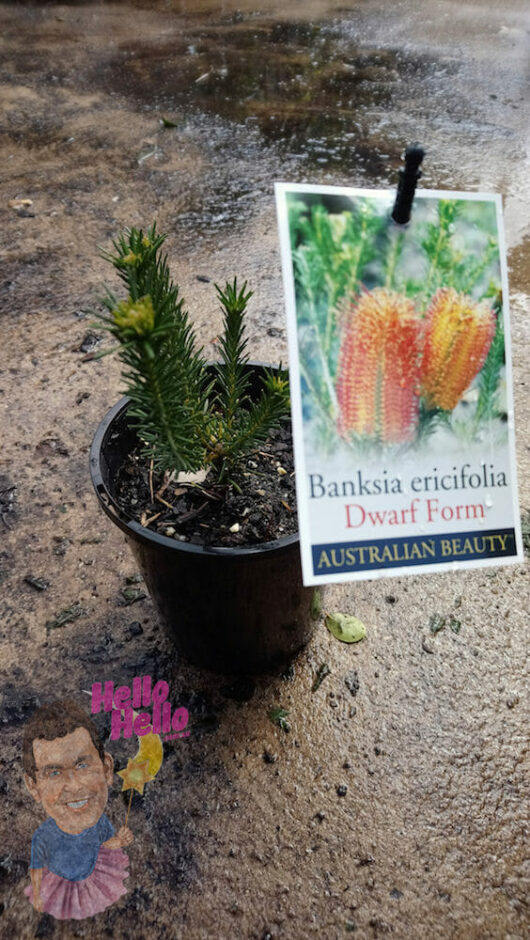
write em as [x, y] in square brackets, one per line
[323, 358]
[395, 251]
[161, 405]
[325, 413]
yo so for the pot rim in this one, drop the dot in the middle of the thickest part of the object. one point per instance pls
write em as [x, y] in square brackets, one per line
[139, 532]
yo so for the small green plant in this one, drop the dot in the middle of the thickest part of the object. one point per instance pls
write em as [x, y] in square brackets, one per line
[187, 416]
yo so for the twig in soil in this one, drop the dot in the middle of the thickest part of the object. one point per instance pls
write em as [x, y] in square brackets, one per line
[191, 515]
[151, 465]
[208, 494]
[168, 478]
[289, 508]
[164, 501]
[147, 522]
[197, 486]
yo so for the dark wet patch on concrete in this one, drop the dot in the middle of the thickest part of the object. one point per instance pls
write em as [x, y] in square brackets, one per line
[294, 82]
[249, 94]
[25, 292]
[17, 705]
[12, 869]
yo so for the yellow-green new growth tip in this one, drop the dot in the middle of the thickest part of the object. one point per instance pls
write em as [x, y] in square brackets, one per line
[137, 315]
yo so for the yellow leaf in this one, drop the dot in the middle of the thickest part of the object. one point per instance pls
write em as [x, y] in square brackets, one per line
[346, 628]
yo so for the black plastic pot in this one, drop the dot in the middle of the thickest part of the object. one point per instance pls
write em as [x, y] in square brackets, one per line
[232, 610]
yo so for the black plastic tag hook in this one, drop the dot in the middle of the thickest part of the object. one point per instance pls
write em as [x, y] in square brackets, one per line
[408, 179]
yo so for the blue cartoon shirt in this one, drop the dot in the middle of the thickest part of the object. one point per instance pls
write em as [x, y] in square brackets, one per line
[70, 856]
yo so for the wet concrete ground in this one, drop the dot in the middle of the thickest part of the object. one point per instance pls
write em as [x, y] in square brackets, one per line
[244, 833]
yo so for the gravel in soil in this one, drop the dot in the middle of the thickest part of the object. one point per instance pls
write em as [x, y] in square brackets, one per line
[257, 504]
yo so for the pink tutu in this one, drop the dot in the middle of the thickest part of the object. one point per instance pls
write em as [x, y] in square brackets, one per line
[79, 899]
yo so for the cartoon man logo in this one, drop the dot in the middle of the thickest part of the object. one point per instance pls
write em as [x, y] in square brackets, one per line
[77, 863]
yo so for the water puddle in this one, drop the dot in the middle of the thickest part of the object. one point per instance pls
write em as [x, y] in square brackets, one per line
[261, 95]
[292, 82]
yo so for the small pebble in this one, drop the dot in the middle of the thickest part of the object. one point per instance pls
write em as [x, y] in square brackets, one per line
[170, 530]
[342, 790]
[269, 757]
[351, 681]
[512, 701]
[260, 492]
[135, 628]
[281, 472]
[365, 860]
[235, 527]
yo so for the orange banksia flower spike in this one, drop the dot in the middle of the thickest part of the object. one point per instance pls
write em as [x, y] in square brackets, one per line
[378, 372]
[459, 332]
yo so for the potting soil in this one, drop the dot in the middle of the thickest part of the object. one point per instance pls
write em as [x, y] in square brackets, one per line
[257, 503]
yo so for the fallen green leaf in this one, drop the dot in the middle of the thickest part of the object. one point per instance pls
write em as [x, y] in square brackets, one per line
[345, 627]
[67, 615]
[455, 625]
[322, 672]
[165, 122]
[316, 605]
[130, 595]
[436, 623]
[278, 716]
[40, 584]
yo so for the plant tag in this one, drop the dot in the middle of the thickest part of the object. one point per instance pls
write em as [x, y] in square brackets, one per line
[401, 382]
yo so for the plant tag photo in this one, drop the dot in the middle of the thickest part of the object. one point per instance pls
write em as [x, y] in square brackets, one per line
[401, 382]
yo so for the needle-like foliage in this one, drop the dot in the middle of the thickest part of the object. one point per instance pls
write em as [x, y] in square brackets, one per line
[186, 419]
